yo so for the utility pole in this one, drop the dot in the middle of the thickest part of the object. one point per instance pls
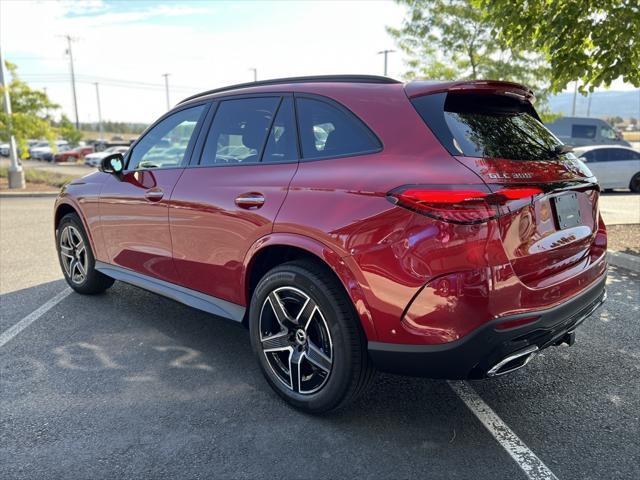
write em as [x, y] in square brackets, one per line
[385, 53]
[99, 110]
[16, 174]
[255, 74]
[73, 79]
[166, 88]
[589, 104]
[575, 95]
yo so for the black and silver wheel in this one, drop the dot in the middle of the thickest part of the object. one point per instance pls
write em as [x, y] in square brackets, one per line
[76, 258]
[307, 337]
[634, 185]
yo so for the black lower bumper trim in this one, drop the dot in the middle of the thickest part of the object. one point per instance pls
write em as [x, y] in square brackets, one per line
[475, 354]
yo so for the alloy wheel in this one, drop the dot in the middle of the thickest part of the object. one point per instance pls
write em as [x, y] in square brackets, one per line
[296, 340]
[73, 254]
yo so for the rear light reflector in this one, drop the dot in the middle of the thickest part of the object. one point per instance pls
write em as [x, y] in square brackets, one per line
[518, 322]
[463, 205]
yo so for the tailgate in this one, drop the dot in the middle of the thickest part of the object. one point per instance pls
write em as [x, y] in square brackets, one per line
[501, 139]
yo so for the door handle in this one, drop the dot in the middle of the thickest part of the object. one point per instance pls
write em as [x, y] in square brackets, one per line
[154, 195]
[250, 200]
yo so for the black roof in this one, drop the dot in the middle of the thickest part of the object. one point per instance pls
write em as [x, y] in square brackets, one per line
[310, 79]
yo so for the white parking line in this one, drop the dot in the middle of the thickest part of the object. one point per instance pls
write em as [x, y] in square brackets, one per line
[32, 317]
[530, 464]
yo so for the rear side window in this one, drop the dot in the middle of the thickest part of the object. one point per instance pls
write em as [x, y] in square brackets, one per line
[621, 154]
[496, 126]
[239, 130]
[327, 131]
[584, 131]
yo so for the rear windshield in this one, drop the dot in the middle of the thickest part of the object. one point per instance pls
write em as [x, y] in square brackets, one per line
[487, 126]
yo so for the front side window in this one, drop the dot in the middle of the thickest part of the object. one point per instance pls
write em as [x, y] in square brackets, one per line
[584, 131]
[165, 145]
[609, 133]
[326, 131]
[602, 154]
[239, 130]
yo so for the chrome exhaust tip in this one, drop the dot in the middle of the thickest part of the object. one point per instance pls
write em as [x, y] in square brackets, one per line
[513, 362]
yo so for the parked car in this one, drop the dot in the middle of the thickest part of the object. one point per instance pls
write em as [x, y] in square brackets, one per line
[4, 149]
[578, 131]
[614, 167]
[43, 150]
[94, 159]
[47, 154]
[437, 230]
[73, 155]
[37, 144]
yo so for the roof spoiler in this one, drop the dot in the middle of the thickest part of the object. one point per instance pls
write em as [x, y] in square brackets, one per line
[496, 87]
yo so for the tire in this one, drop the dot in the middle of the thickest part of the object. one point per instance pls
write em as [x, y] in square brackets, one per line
[331, 354]
[634, 184]
[76, 257]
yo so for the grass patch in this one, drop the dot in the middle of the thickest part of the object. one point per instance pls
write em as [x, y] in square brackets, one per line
[42, 177]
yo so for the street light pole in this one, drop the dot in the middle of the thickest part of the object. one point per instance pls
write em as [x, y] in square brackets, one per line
[575, 95]
[73, 79]
[166, 88]
[16, 174]
[385, 53]
[255, 74]
[99, 110]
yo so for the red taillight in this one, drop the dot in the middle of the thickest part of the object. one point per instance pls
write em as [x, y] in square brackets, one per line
[459, 205]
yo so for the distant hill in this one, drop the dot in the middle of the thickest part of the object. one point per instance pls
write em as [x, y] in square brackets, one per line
[625, 104]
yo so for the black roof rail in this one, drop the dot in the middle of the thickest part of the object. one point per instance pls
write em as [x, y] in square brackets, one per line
[309, 79]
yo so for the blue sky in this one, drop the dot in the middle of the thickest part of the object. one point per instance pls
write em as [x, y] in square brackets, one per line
[126, 46]
[201, 44]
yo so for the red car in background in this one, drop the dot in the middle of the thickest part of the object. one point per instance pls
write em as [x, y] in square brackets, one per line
[73, 155]
[352, 223]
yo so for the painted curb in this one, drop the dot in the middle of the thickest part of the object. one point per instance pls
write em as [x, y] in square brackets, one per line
[624, 260]
[27, 194]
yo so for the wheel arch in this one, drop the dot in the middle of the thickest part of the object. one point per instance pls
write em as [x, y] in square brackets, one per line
[63, 207]
[279, 248]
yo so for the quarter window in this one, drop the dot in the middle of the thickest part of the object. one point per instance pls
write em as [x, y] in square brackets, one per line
[166, 144]
[239, 130]
[326, 131]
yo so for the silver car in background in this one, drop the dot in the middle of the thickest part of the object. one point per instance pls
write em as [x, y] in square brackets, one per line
[94, 159]
[613, 166]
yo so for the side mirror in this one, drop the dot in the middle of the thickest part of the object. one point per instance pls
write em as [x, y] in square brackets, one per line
[113, 164]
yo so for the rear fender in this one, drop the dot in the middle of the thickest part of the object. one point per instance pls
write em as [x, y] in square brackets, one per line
[345, 269]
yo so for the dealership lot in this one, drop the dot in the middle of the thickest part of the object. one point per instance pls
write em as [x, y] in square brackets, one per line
[129, 384]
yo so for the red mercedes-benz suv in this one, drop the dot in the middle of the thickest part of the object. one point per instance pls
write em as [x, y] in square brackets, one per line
[353, 224]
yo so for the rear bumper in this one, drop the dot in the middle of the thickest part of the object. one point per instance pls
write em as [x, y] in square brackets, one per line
[474, 355]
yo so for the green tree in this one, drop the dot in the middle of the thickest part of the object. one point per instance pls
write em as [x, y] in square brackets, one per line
[452, 39]
[30, 113]
[67, 131]
[593, 41]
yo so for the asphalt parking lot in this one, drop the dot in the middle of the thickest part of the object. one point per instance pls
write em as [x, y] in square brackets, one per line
[132, 385]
